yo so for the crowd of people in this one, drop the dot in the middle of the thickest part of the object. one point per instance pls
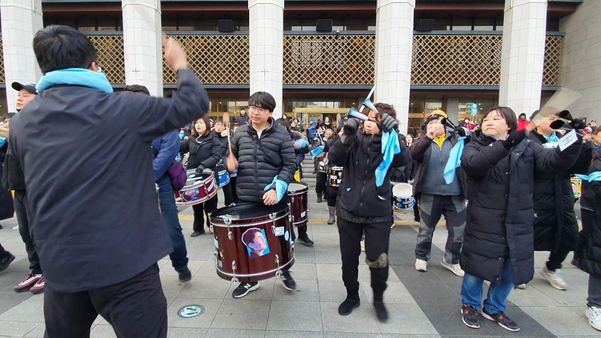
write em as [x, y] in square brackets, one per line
[96, 212]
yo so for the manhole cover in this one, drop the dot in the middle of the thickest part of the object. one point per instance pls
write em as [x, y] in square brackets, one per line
[191, 311]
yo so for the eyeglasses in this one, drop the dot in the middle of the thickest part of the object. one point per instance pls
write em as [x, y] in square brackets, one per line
[254, 109]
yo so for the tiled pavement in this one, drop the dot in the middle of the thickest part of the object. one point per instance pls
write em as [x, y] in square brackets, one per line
[420, 304]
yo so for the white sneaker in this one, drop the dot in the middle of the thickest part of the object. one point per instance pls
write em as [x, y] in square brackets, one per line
[454, 268]
[421, 265]
[593, 314]
[521, 286]
[363, 245]
[554, 279]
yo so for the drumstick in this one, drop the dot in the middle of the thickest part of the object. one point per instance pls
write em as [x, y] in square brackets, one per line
[232, 163]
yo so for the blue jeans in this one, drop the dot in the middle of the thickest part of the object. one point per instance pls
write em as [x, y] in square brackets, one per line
[179, 256]
[471, 290]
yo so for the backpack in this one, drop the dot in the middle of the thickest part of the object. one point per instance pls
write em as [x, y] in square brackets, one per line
[178, 175]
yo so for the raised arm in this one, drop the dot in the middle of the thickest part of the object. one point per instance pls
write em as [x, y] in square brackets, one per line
[476, 162]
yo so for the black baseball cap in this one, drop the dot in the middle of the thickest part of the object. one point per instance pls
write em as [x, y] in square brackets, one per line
[30, 87]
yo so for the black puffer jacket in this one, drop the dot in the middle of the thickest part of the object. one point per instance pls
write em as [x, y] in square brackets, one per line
[203, 150]
[261, 159]
[358, 194]
[500, 209]
[588, 253]
[555, 224]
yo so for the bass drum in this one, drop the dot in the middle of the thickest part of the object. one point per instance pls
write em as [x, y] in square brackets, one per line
[252, 241]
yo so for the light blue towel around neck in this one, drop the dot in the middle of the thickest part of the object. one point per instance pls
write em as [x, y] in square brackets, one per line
[75, 77]
[454, 160]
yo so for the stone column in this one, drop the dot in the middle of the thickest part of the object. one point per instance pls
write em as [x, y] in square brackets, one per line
[394, 44]
[523, 54]
[266, 42]
[21, 19]
[453, 109]
[142, 40]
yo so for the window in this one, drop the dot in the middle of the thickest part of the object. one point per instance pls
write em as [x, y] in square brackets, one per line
[484, 24]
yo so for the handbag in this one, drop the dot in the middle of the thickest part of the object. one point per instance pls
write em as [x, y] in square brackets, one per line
[178, 175]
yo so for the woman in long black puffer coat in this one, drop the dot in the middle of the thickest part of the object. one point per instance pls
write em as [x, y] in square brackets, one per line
[500, 165]
[588, 254]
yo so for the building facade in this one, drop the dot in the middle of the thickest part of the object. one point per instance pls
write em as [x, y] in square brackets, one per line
[319, 58]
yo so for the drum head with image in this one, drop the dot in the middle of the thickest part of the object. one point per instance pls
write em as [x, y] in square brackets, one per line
[247, 212]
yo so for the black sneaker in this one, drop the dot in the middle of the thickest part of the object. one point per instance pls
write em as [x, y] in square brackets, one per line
[289, 283]
[244, 288]
[469, 316]
[197, 233]
[501, 319]
[185, 275]
[348, 305]
[305, 240]
[5, 261]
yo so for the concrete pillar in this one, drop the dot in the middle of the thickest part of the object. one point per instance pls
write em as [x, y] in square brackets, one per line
[394, 45]
[453, 110]
[142, 39]
[523, 54]
[21, 19]
[266, 40]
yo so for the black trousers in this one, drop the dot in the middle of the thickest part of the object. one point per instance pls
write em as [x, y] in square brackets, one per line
[302, 231]
[202, 209]
[135, 308]
[233, 188]
[320, 183]
[332, 194]
[556, 257]
[23, 220]
[228, 195]
[377, 237]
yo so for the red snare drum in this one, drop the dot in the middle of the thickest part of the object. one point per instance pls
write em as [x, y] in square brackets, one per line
[252, 241]
[298, 196]
[335, 176]
[198, 189]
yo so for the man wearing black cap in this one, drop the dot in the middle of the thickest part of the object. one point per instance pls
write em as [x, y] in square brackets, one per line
[436, 197]
[34, 281]
[26, 94]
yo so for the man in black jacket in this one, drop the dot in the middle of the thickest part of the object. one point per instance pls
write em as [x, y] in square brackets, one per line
[34, 281]
[91, 195]
[263, 153]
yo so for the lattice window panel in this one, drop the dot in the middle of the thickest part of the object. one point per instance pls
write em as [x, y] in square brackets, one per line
[552, 61]
[110, 56]
[2, 75]
[456, 60]
[216, 59]
[329, 59]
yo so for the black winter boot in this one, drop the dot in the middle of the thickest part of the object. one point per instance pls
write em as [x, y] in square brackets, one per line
[351, 302]
[319, 197]
[381, 311]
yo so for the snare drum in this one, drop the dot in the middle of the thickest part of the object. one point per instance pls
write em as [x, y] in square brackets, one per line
[224, 178]
[198, 189]
[322, 167]
[335, 176]
[298, 196]
[403, 196]
[252, 241]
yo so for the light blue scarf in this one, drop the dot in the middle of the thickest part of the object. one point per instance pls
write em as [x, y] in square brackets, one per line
[553, 138]
[280, 187]
[75, 77]
[317, 151]
[594, 176]
[454, 160]
[390, 147]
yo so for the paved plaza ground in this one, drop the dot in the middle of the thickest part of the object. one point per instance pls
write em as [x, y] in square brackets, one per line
[420, 304]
